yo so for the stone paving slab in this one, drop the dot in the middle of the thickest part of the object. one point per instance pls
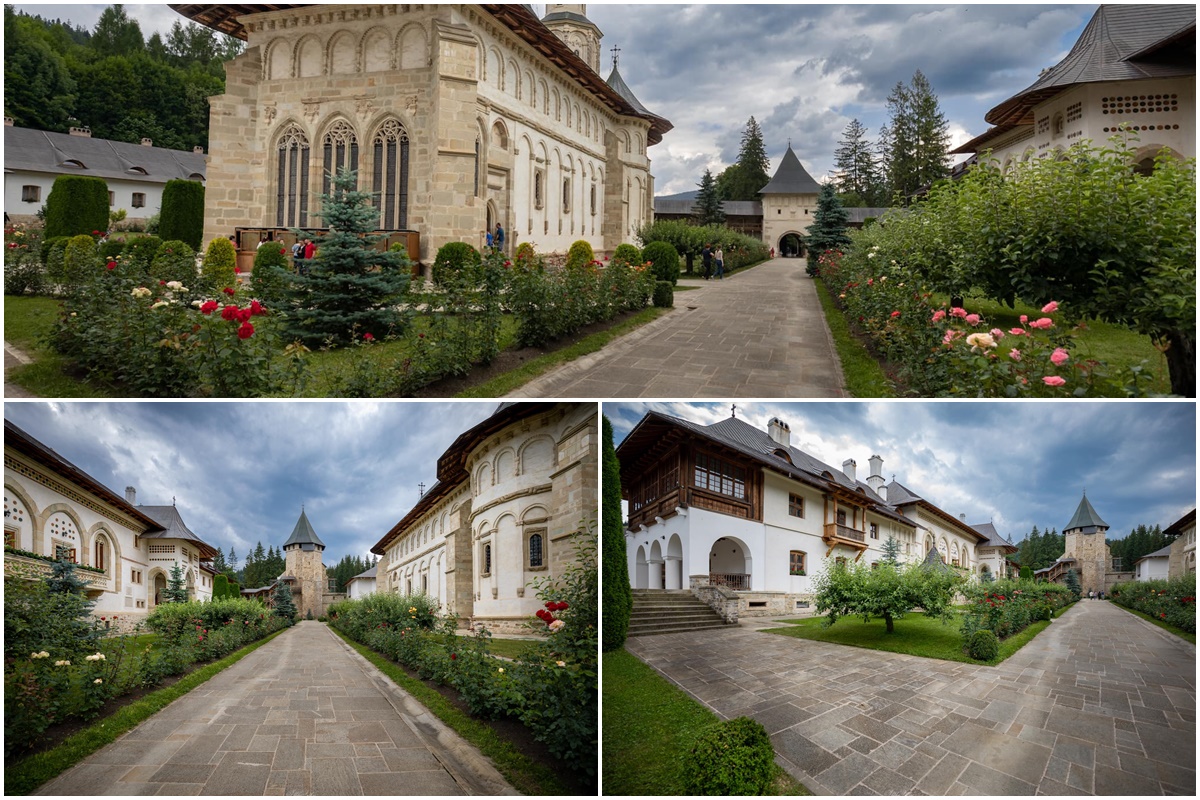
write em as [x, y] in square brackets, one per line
[290, 718]
[759, 333]
[1099, 703]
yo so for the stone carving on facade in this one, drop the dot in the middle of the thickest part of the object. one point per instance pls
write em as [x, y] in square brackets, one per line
[269, 112]
[312, 110]
[410, 104]
[364, 105]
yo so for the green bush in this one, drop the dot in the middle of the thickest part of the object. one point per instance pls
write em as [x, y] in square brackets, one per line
[139, 254]
[111, 248]
[618, 600]
[665, 260]
[1172, 601]
[627, 254]
[77, 205]
[984, 645]
[270, 281]
[219, 268]
[731, 758]
[580, 254]
[664, 294]
[456, 262]
[174, 261]
[1007, 607]
[81, 261]
[182, 214]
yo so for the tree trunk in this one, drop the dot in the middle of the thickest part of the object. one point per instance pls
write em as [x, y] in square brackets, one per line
[689, 257]
[891, 628]
[1181, 363]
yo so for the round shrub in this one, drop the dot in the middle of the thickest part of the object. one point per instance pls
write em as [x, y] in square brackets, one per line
[182, 214]
[665, 260]
[525, 253]
[76, 205]
[984, 646]
[220, 262]
[48, 244]
[271, 279]
[81, 259]
[580, 255]
[139, 253]
[174, 261]
[456, 262]
[734, 757]
[627, 254]
[664, 294]
[111, 248]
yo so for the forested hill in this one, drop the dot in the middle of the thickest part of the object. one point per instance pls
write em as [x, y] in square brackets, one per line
[112, 79]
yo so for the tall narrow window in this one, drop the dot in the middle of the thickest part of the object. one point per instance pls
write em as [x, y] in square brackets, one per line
[425, 584]
[341, 151]
[291, 194]
[535, 550]
[874, 531]
[487, 559]
[390, 179]
[566, 195]
[100, 563]
[477, 167]
[539, 192]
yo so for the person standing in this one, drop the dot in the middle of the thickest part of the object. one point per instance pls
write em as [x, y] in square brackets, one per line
[719, 257]
[706, 260]
[499, 237]
[310, 249]
[487, 236]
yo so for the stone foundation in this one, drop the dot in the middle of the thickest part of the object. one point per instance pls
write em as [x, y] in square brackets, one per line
[771, 604]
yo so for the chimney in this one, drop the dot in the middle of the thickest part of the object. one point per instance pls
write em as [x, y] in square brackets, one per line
[962, 517]
[8, 122]
[147, 142]
[198, 150]
[875, 479]
[850, 467]
[86, 132]
[779, 432]
[131, 495]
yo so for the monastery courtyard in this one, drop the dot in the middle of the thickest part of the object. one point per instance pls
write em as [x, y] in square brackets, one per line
[759, 333]
[1100, 702]
[303, 714]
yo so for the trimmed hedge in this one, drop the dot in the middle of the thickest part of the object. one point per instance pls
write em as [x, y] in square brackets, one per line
[76, 205]
[665, 260]
[219, 268]
[731, 758]
[182, 214]
[456, 262]
[664, 294]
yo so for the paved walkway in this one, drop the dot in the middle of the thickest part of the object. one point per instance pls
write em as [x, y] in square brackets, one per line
[1099, 703]
[760, 333]
[303, 714]
[14, 358]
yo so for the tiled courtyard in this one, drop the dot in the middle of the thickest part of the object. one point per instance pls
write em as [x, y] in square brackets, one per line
[1100, 703]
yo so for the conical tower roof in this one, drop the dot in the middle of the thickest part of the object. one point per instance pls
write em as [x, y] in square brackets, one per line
[620, 87]
[791, 178]
[1085, 517]
[303, 533]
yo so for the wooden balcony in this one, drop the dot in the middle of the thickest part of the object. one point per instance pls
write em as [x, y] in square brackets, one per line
[836, 534]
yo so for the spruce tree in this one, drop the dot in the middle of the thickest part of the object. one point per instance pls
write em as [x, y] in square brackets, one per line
[891, 550]
[858, 179]
[917, 137]
[828, 229]
[232, 560]
[72, 612]
[219, 564]
[176, 591]
[1072, 581]
[743, 179]
[282, 605]
[618, 598]
[707, 209]
[352, 288]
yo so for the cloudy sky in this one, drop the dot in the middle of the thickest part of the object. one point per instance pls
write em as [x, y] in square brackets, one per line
[1014, 464]
[239, 472]
[803, 71]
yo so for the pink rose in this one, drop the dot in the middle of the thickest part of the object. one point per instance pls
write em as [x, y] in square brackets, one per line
[1024, 319]
[1045, 323]
[1059, 356]
[1014, 354]
[1053, 380]
[997, 334]
[939, 315]
[958, 312]
[1017, 331]
[972, 319]
[895, 314]
[1050, 307]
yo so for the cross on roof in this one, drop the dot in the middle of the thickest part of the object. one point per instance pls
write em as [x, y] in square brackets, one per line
[421, 488]
[733, 410]
[616, 55]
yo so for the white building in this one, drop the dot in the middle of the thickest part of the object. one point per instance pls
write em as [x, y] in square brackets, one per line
[361, 584]
[1183, 549]
[1133, 65]
[125, 552]
[731, 505]
[136, 174]
[1153, 566]
[510, 492]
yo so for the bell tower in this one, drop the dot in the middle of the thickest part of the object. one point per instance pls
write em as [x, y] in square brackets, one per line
[569, 22]
[302, 552]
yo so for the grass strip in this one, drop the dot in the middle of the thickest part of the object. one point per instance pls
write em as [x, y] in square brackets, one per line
[1166, 626]
[650, 726]
[30, 773]
[506, 648]
[526, 776]
[501, 385]
[915, 635]
[860, 370]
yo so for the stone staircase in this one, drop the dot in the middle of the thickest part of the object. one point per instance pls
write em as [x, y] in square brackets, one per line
[659, 611]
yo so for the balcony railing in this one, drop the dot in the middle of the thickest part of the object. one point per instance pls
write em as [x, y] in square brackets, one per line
[840, 534]
[19, 566]
[729, 580]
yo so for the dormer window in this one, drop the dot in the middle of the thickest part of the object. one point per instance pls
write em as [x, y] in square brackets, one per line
[137, 171]
[73, 164]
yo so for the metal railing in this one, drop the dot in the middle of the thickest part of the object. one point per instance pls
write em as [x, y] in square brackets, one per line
[729, 580]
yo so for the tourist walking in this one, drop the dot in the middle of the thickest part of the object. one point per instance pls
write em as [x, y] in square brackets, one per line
[706, 259]
[719, 257]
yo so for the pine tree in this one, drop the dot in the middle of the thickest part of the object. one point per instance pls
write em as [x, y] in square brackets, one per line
[282, 605]
[858, 179]
[351, 288]
[828, 228]
[743, 179]
[219, 564]
[176, 591]
[917, 137]
[707, 209]
[891, 550]
[1072, 581]
[76, 610]
[232, 560]
[63, 580]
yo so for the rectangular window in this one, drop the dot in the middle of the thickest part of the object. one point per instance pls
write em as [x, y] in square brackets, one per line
[796, 505]
[33, 194]
[797, 564]
[841, 517]
[10, 537]
[874, 531]
[139, 200]
[720, 476]
[566, 195]
[62, 551]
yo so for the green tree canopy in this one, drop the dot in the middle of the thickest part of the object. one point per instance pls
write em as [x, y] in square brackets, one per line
[917, 137]
[887, 592]
[743, 179]
[707, 209]
[858, 181]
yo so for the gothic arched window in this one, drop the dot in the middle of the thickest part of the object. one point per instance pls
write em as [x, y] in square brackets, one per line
[341, 151]
[487, 559]
[535, 550]
[390, 180]
[291, 197]
[477, 166]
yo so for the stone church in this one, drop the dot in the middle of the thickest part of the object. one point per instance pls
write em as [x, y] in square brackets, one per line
[457, 117]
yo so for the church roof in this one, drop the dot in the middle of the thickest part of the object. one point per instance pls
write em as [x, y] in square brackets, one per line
[173, 527]
[791, 178]
[1164, 552]
[618, 84]
[303, 533]
[1085, 517]
[519, 18]
[994, 538]
[42, 151]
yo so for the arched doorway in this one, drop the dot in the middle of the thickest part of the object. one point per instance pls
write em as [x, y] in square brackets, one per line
[641, 570]
[729, 564]
[655, 567]
[791, 245]
[160, 586]
[674, 575]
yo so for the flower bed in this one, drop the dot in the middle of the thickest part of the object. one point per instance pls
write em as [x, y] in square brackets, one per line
[1171, 601]
[1008, 607]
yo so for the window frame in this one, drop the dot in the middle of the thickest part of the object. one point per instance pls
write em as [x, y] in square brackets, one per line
[795, 505]
[139, 200]
[32, 193]
[729, 478]
[803, 568]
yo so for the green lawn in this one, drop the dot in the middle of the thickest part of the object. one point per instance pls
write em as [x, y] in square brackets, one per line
[508, 648]
[860, 371]
[1182, 634]
[915, 635]
[649, 727]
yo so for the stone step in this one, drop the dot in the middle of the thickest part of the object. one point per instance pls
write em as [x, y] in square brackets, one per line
[675, 627]
[656, 612]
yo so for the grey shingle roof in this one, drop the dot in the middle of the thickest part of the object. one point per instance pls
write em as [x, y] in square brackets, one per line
[1160, 553]
[1085, 517]
[42, 151]
[620, 87]
[368, 574]
[994, 537]
[173, 526]
[303, 533]
[791, 178]
[735, 208]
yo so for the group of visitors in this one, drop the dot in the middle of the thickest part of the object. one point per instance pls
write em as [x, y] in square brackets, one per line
[495, 240]
[709, 257]
[1093, 595]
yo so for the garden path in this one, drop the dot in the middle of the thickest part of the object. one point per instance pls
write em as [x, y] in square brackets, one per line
[1101, 702]
[303, 714]
[758, 333]
[14, 358]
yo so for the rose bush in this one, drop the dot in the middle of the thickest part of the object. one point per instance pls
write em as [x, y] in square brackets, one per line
[1172, 601]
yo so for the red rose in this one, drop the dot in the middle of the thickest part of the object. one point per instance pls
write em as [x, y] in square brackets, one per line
[162, 283]
[256, 308]
[246, 331]
[95, 233]
[228, 291]
[111, 264]
[368, 337]
[229, 313]
[237, 270]
[454, 656]
[420, 336]
[209, 307]
[244, 315]
[282, 252]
